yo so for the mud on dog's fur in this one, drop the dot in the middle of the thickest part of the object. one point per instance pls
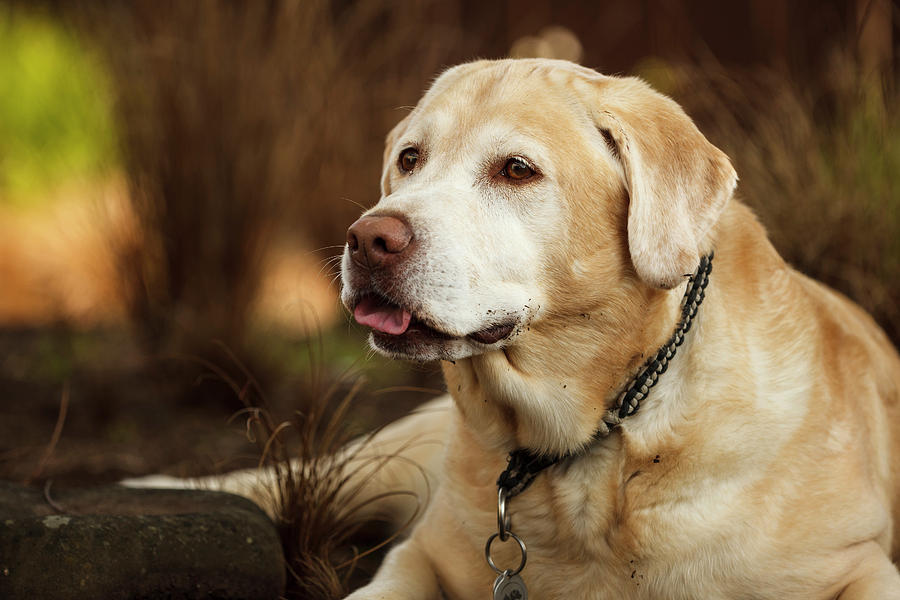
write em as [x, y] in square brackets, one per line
[536, 226]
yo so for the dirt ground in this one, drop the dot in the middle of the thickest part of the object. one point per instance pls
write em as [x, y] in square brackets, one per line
[125, 417]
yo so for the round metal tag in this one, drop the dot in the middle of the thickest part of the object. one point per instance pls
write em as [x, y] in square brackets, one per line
[511, 588]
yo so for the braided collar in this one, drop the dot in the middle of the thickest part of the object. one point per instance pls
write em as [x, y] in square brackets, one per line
[525, 465]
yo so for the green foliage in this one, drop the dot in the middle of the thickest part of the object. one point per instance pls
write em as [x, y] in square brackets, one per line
[861, 161]
[55, 109]
[338, 351]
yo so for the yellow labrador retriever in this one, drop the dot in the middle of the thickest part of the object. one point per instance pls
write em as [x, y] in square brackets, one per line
[647, 402]
[556, 236]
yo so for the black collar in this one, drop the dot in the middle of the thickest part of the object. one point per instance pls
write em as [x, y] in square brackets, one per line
[525, 464]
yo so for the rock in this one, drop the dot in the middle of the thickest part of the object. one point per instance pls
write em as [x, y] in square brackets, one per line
[114, 542]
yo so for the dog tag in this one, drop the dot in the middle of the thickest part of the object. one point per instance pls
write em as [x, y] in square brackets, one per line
[509, 588]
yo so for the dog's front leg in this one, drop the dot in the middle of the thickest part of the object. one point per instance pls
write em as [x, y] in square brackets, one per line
[876, 578]
[405, 574]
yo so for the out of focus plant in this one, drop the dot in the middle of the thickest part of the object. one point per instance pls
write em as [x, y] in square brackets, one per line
[55, 112]
[240, 122]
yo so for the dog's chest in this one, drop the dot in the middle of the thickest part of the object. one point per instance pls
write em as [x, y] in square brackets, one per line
[596, 553]
[599, 529]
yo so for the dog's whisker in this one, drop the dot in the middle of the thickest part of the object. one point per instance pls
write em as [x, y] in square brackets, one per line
[331, 260]
[355, 203]
[323, 248]
[328, 266]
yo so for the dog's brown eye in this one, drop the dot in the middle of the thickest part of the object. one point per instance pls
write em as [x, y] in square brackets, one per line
[408, 159]
[517, 169]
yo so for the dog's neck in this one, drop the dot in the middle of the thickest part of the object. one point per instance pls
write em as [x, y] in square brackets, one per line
[532, 395]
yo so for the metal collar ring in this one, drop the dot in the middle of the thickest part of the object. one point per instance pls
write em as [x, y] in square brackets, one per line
[503, 521]
[490, 561]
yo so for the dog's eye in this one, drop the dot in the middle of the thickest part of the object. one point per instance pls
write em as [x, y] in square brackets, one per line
[517, 169]
[408, 159]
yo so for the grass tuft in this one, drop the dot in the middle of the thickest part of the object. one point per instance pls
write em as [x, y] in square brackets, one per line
[320, 474]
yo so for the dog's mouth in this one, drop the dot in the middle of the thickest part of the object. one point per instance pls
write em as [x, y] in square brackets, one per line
[396, 327]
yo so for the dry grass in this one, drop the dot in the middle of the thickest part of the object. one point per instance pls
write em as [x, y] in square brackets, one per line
[241, 123]
[819, 163]
[205, 123]
[318, 503]
[319, 496]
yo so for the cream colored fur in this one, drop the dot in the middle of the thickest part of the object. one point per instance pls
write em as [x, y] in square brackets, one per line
[763, 463]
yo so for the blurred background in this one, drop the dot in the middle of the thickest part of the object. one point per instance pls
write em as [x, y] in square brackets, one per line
[176, 179]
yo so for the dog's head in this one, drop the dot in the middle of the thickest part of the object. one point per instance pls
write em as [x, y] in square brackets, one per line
[521, 191]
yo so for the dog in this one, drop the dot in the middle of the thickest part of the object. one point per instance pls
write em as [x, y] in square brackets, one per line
[538, 226]
[645, 400]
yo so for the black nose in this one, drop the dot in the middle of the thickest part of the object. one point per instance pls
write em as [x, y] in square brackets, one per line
[377, 242]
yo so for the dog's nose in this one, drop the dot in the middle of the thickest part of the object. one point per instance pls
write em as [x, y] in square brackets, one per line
[378, 241]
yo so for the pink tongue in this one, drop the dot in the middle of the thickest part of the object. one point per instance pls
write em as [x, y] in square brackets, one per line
[382, 317]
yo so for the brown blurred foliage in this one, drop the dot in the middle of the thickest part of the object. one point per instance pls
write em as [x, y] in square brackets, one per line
[240, 122]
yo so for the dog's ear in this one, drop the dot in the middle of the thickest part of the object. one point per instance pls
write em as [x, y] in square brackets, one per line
[677, 181]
